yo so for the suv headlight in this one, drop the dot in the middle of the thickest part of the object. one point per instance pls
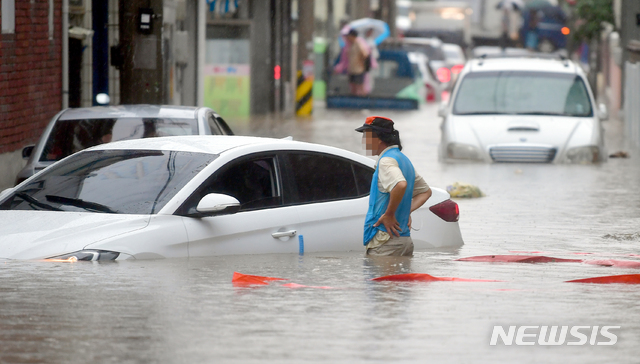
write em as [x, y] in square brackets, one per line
[462, 151]
[583, 155]
[86, 255]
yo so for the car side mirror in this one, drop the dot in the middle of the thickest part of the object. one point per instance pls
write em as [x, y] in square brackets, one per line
[443, 110]
[215, 204]
[603, 113]
[26, 151]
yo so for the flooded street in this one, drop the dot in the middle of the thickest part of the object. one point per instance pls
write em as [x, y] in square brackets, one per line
[188, 311]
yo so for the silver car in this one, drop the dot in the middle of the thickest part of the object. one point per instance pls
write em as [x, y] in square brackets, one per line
[522, 109]
[72, 130]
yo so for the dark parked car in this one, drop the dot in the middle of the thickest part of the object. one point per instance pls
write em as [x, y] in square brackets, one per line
[72, 130]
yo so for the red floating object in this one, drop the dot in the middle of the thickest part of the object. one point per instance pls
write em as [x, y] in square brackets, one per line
[625, 279]
[240, 279]
[615, 263]
[518, 259]
[423, 277]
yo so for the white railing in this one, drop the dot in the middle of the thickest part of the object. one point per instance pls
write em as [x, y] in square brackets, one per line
[632, 102]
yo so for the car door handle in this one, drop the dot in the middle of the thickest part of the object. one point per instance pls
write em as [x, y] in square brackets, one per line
[284, 234]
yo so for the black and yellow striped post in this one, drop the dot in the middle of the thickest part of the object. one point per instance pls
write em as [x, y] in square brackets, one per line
[304, 96]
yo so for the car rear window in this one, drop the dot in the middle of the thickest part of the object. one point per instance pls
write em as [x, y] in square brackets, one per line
[526, 93]
[433, 53]
[111, 181]
[70, 136]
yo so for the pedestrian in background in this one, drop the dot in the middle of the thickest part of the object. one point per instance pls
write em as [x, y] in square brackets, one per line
[531, 40]
[352, 61]
[396, 191]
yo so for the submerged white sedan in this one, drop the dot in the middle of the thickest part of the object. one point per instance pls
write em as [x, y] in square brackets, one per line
[522, 108]
[192, 196]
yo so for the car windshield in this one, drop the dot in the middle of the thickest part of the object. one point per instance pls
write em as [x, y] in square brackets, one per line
[70, 136]
[516, 92]
[112, 181]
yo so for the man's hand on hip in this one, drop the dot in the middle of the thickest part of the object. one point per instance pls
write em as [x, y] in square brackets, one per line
[390, 224]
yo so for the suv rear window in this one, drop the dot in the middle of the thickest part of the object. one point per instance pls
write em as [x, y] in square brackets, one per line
[70, 136]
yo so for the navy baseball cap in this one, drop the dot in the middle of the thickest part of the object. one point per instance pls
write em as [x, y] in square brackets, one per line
[378, 124]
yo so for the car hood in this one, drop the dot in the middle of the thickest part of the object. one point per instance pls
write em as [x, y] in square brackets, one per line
[43, 234]
[489, 130]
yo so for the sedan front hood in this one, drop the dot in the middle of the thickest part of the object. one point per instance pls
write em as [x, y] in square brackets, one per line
[43, 234]
[554, 131]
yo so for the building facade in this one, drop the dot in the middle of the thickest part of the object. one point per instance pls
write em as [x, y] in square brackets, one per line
[30, 77]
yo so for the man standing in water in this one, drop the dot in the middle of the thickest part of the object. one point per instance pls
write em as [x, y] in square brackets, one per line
[396, 191]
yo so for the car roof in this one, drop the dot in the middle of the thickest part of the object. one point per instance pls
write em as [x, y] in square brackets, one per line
[129, 111]
[219, 144]
[451, 46]
[530, 64]
[209, 144]
[426, 41]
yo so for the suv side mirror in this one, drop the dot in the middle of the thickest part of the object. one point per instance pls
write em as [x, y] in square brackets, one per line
[442, 109]
[603, 113]
[215, 204]
[26, 151]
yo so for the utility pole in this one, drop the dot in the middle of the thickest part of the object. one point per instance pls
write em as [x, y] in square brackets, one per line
[139, 54]
[304, 88]
[305, 30]
[388, 13]
[360, 9]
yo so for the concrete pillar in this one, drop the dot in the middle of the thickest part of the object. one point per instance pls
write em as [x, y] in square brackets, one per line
[141, 75]
[262, 85]
[306, 22]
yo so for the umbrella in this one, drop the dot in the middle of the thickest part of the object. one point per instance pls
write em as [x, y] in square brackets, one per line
[511, 4]
[380, 29]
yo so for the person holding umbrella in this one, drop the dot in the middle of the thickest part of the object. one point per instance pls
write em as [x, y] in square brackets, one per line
[352, 61]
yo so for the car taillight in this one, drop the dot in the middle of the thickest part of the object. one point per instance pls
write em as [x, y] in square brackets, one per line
[446, 210]
[457, 69]
[443, 74]
[431, 93]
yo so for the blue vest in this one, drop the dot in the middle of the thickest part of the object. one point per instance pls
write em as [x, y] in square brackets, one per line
[378, 201]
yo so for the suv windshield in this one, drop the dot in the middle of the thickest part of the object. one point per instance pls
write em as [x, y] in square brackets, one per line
[70, 136]
[518, 92]
[113, 181]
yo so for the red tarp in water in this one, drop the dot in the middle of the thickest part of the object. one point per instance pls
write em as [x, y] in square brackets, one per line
[240, 279]
[518, 259]
[615, 263]
[625, 278]
[422, 277]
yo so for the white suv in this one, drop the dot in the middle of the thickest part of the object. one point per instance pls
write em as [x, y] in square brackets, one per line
[522, 109]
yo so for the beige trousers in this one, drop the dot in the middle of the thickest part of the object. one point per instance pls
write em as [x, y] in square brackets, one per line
[396, 246]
